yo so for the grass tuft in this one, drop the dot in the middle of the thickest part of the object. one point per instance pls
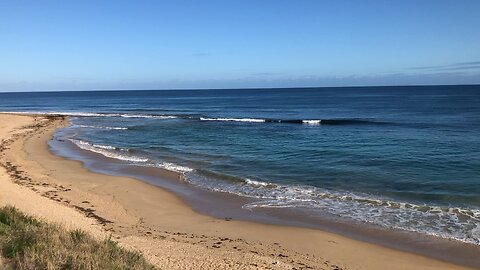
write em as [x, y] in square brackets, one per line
[26, 243]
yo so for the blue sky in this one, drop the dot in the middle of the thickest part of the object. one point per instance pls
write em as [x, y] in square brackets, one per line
[83, 45]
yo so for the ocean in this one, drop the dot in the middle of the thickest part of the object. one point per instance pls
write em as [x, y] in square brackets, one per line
[405, 158]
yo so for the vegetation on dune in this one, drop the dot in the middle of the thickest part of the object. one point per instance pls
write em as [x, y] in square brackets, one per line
[27, 243]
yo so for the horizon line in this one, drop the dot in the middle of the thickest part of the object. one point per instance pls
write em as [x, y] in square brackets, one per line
[242, 88]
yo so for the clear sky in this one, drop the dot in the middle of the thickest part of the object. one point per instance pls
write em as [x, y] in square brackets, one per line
[83, 45]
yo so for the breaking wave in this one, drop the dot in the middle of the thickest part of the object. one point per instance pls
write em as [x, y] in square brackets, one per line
[297, 121]
[447, 222]
[125, 155]
[251, 120]
[108, 151]
[339, 121]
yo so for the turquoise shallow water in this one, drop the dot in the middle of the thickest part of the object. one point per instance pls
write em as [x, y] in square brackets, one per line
[399, 157]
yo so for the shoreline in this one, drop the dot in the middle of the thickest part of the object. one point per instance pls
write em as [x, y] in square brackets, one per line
[147, 218]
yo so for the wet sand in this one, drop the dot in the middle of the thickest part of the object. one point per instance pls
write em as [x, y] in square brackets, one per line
[172, 235]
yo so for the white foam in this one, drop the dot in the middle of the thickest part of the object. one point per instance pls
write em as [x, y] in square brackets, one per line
[106, 151]
[174, 167]
[252, 120]
[462, 224]
[312, 122]
[106, 147]
[256, 183]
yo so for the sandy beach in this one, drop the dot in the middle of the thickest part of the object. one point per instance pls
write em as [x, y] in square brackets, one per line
[159, 224]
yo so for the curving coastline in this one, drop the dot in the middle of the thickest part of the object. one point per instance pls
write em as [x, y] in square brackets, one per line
[159, 223]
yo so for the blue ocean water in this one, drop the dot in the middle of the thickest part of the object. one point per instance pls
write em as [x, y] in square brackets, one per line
[399, 157]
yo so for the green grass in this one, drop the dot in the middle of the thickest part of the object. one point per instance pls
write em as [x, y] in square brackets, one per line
[27, 243]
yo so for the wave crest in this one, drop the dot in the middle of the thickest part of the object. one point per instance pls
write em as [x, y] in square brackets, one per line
[251, 120]
[107, 151]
